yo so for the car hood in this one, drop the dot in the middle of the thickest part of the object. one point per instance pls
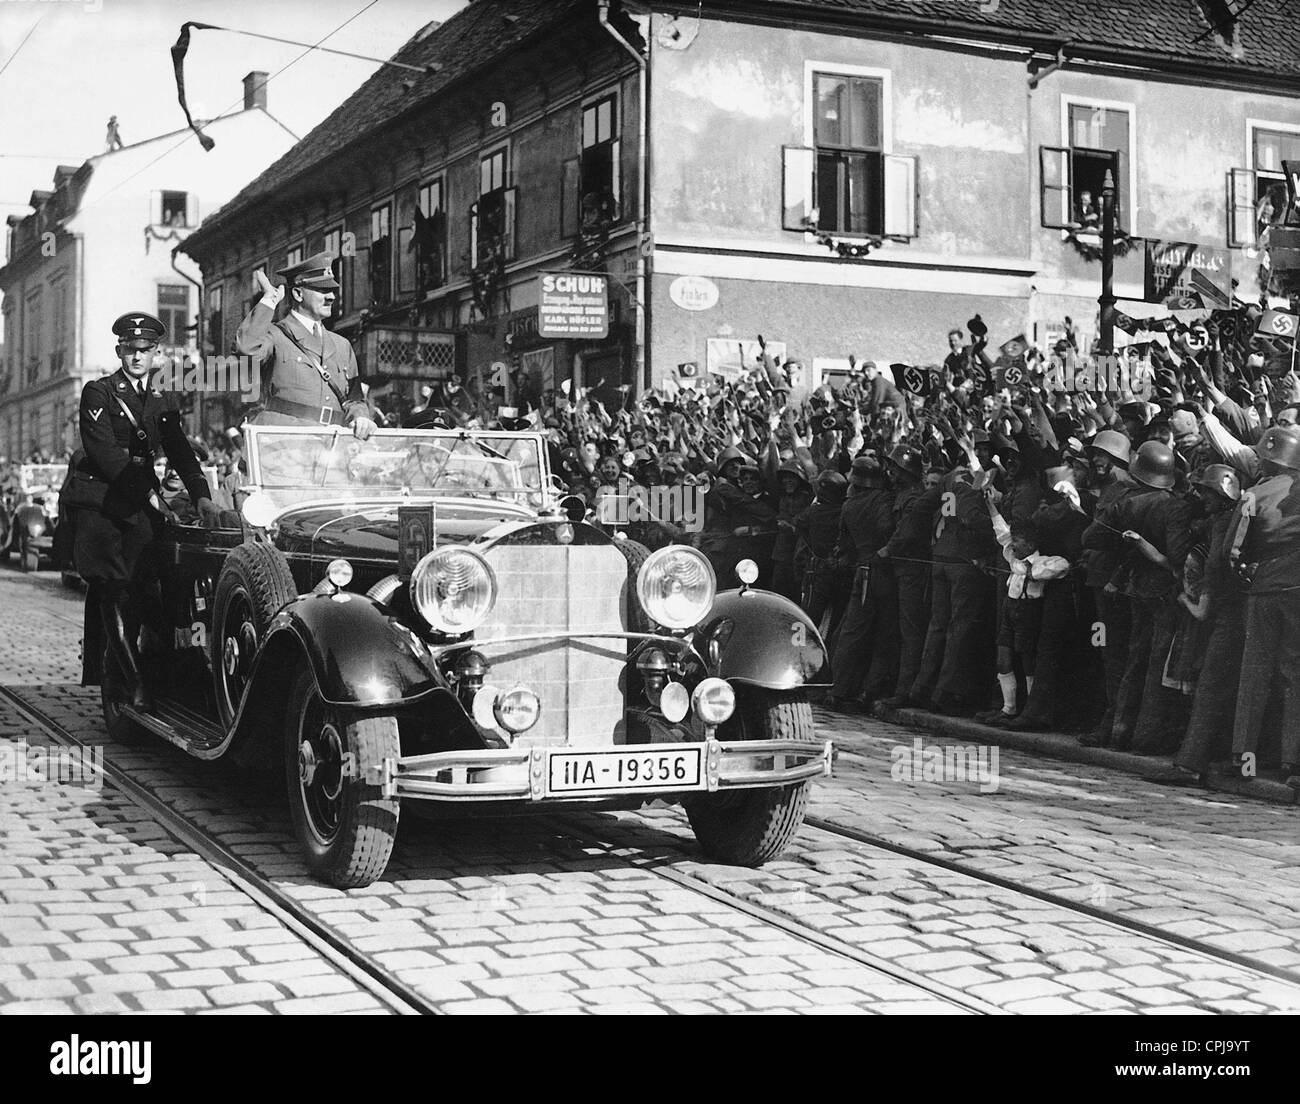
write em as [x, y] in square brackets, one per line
[369, 531]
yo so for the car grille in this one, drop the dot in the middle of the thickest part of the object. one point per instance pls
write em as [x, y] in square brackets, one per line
[561, 588]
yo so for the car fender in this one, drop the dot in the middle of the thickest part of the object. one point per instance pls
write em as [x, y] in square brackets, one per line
[763, 639]
[360, 654]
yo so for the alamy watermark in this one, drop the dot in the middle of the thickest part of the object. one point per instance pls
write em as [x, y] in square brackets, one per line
[947, 763]
[50, 764]
[183, 372]
[679, 505]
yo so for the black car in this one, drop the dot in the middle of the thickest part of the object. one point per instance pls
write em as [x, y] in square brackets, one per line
[420, 616]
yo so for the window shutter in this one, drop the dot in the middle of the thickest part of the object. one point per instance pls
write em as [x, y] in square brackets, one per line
[1243, 228]
[509, 224]
[191, 209]
[1056, 190]
[570, 197]
[798, 187]
[901, 199]
[616, 180]
[155, 209]
[473, 234]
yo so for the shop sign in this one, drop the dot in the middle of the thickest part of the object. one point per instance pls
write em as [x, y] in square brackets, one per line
[693, 293]
[1187, 276]
[573, 305]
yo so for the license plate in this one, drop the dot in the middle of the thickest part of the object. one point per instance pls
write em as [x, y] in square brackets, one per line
[593, 772]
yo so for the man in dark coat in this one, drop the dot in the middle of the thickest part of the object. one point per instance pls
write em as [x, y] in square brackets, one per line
[114, 493]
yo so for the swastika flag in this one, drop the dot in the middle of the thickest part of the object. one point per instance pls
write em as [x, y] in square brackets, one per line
[1276, 323]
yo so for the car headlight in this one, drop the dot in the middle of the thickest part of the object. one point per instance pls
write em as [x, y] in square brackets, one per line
[676, 586]
[453, 589]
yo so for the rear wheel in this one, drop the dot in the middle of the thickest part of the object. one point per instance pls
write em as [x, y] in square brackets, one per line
[255, 582]
[345, 825]
[751, 827]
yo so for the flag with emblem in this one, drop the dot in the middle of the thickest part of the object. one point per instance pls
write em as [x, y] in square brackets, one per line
[909, 377]
[1276, 323]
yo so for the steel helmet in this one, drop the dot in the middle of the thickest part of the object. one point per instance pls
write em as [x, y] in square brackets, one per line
[791, 467]
[729, 454]
[907, 459]
[1114, 444]
[1280, 444]
[832, 486]
[1220, 478]
[1153, 466]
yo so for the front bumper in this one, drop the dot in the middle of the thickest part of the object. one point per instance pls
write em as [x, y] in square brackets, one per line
[492, 774]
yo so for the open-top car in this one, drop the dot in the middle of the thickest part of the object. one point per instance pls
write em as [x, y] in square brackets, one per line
[33, 516]
[420, 616]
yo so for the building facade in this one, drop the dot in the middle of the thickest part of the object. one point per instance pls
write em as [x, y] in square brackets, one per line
[839, 176]
[100, 243]
[444, 203]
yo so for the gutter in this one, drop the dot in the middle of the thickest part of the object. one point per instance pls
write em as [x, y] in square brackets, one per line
[642, 329]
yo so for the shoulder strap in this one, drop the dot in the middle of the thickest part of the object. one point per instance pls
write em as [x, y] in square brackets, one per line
[131, 418]
[320, 368]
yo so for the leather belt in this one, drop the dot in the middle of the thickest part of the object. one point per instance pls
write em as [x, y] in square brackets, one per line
[321, 415]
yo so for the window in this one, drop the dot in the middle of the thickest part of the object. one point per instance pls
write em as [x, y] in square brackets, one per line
[216, 319]
[846, 182]
[173, 209]
[333, 245]
[33, 344]
[592, 187]
[1258, 196]
[430, 237]
[1100, 140]
[293, 257]
[381, 255]
[492, 217]
[174, 312]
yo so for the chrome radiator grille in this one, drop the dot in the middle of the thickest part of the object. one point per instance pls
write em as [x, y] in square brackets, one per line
[561, 588]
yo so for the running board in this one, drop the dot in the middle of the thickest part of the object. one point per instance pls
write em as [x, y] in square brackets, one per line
[179, 725]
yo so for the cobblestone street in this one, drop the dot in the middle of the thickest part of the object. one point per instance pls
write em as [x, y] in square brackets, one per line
[103, 909]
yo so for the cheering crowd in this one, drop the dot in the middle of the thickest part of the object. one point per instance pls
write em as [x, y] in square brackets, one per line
[998, 538]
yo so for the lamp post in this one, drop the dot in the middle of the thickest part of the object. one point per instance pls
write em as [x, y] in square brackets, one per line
[1107, 298]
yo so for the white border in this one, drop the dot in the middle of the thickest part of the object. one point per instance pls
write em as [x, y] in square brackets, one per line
[1253, 125]
[1068, 101]
[840, 69]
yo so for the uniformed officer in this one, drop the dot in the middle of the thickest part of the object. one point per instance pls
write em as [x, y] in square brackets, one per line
[309, 375]
[1266, 544]
[818, 527]
[908, 553]
[114, 493]
[866, 524]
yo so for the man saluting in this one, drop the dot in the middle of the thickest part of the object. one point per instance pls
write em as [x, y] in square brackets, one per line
[308, 374]
[113, 491]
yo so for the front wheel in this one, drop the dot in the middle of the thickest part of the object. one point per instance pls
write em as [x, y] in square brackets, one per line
[345, 825]
[751, 827]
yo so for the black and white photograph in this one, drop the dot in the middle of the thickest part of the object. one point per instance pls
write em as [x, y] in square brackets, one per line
[651, 509]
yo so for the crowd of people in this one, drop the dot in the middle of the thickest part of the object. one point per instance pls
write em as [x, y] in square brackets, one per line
[1122, 562]
[1042, 542]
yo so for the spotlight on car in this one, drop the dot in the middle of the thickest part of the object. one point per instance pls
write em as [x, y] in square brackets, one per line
[517, 710]
[747, 572]
[339, 573]
[674, 702]
[713, 701]
[258, 510]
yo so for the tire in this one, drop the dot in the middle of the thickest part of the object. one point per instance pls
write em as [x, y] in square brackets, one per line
[751, 827]
[347, 839]
[255, 582]
[636, 554]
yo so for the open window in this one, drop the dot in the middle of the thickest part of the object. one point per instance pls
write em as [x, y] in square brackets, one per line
[172, 208]
[1071, 182]
[381, 255]
[1257, 196]
[430, 235]
[888, 193]
[492, 217]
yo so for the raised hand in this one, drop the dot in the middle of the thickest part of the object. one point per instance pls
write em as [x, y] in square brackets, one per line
[269, 291]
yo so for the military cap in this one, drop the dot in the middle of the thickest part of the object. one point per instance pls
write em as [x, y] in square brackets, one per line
[316, 272]
[1137, 410]
[137, 330]
[790, 467]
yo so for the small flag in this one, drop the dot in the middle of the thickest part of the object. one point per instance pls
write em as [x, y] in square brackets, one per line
[1016, 347]
[1276, 323]
[908, 377]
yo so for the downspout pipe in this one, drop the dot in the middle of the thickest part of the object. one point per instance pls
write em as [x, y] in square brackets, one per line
[642, 380]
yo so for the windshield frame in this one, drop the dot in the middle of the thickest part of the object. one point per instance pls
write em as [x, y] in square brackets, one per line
[448, 438]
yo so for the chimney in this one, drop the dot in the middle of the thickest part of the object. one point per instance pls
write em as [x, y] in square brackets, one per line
[255, 90]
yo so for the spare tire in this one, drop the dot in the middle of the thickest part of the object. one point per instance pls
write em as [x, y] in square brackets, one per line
[254, 584]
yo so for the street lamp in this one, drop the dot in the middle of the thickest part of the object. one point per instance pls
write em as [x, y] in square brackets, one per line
[1107, 298]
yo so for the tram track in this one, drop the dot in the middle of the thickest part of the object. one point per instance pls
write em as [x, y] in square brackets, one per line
[371, 975]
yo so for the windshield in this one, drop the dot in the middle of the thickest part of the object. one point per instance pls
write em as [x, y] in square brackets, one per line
[301, 464]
